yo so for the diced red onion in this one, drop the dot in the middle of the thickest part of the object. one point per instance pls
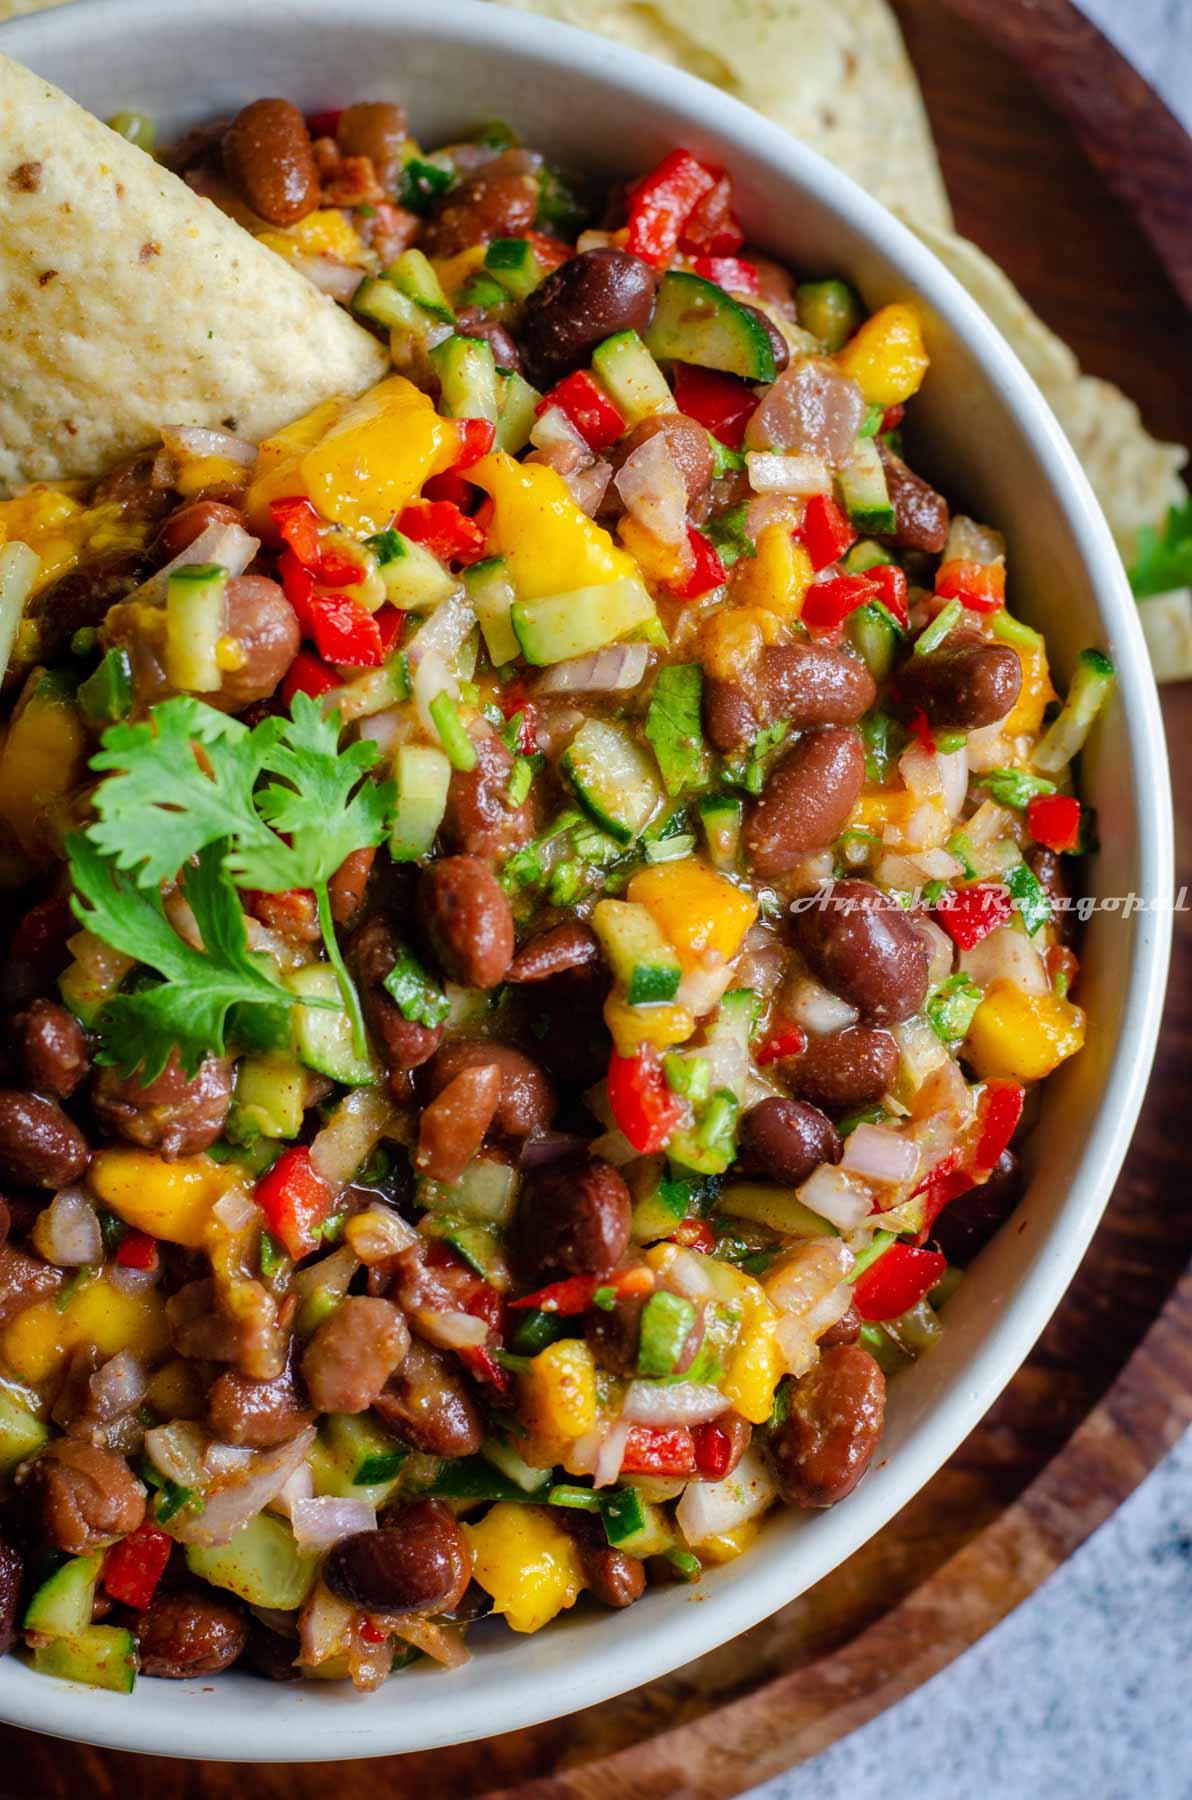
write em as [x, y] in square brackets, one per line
[830, 1193]
[180, 913]
[788, 473]
[548, 1148]
[324, 1626]
[614, 1148]
[611, 1454]
[811, 407]
[710, 1508]
[970, 542]
[940, 950]
[132, 1281]
[603, 672]
[651, 484]
[988, 822]
[225, 1459]
[988, 748]
[816, 1008]
[236, 1210]
[876, 1153]
[67, 1233]
[937, 865]
[451, 1330]
[953, 769]
[918, 768]
[445, 632]
[686, 1272]
[673, 1403]
[198, 440]
[356, 1127]
[444, 1644]
[702, 989]
[117, 1386]
[589, 485]
[920, 1051]
[229, 546]
[231, 1504]
[300, 1486]
[332, 1274]
[378, 1232]
[1007, 954]
[337, 279]
[583, 1451]
[558, 443]
[801, 1277]
[177, 1449]
[320, 1523]
[773, 509]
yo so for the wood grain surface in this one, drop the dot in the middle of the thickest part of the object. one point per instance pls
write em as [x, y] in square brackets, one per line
[1109, 1387]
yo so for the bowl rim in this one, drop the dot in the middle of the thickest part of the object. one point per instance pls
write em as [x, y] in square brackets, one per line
[359, 1726]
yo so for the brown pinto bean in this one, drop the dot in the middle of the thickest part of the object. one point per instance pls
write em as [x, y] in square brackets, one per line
[921, 517]
[526, 1103]
[687, 441]
[353, 1353]
[560, 950]
[11, 1573]
[1047, 866]
[347, 886]
[846, 1330]
[806, 799]
[612, 1577]
[189, 521]
[497, 200]
[39, 1145]
[581, 303]
[468, 919]
[573, 1218]
[809, 684]
[835, 1422]
[427, 1402]
[53, 1048]
[372, 953]
[272, 1654]
[267, 157]
[478, 820]
[262, 622]
[88, 1496]
[417, 1561]
[865, 948]
[731, 712]
[452, 1128]
[471, 322]
[786, 1140]
[190, 1631]
[376, 129]
[615, 1337]
[967, 1223]
[256, 1413]
[964, 684]
[847, 1068]
[175, 1115]
[24, 1280]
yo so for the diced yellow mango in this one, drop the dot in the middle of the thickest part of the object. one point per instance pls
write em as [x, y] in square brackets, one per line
[659, 1026]
[755, 1365]
[777, 578]
[325, 232]
[731, 642]
[170, 1200]
[200, 472]
[39, 1339]
[1022, 1036]
[700, 912]
[175, 1390]
[51, 523]
[726, 1546]
[558, 1391]
[359, 462]
[1036, 694]
[656, 560]
[527, 1562]
[549, 544]
[454, 271]
[43, 757]
[886, 356]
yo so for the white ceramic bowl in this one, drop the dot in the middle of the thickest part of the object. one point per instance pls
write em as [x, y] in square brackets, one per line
[990, 439]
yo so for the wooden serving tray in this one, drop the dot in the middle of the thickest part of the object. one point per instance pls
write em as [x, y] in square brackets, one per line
[1109, 1387]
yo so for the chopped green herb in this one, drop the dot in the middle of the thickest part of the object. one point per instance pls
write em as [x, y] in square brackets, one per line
[728, 535]
[561, 211]
[690, 1076]
[420, 999]
[960, 846]
[673, 726]
[521, 778]
[1030, 896]
[934, 634]
[1163, 560]
[951, 1005]
[1014, 787]
[270, 1255]
[948, 741]
[605, 1298]
[422, 183]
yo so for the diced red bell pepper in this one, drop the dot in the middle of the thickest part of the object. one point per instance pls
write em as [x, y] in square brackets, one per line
[891, 591]
[371, 1633]
[969, 914]
[941, 1185]
[655, 1450]
[295, 1201]
[891, 419]
[575, 1294]
[512, 701]
[445, 531]
[828, 603]
[475, 440]
[133, 1567]
[712, 227]
[345, 633]
[898, 1280]
[453, 486]
[661, 204]
[721, 403]
[981, 586]
[1054, 820]
[645, 1110]
[308, 674]
[335, 570]
[325, 124]
[298, 523]
[550, 251]
[390, 624]
[730, 272]
[481, 1363]
[695, 1234]
[707, 570]
[137, 1250]
[583, 400]
[998, 1112]
[292, 911]
[826, 531]
[783, 1040]
[713, 1451]
[921, 731]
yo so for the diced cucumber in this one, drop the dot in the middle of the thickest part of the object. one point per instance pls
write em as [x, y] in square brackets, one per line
[269, 1098]
[379, 301]
[872, 634]
[415, 580]
[613, 778]
[561, 626]
[354, 1459]
[261, 1563]
[631, 378]
[475, 1243]
[505, 1458]
[865, 555]
[484, 1194]
[1091, 687]
[196, 619]
[490, 591]
[666, 1323]
[775, 1207]
[661, 1201]
[467, 378]
[423, 776]
[697, 322]
[720, 815]
[61, 1606]
[519, 403]
[106, 695]
[642, 961]
[376, 690]
[864, 492]
[735, 1019]
[413, 276]
[635, 1525]
[515, 263]
[829, 310]
[22, 1433]
[674, 728]
[102, 1656]
[323, 1039]
[485, 291]
[476, 1478]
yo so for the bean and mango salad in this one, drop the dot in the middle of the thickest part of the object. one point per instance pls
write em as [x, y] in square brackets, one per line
[537, 901]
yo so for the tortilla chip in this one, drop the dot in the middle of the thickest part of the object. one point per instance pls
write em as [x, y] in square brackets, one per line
[126, 302]
[1134, 476]
[834, 73]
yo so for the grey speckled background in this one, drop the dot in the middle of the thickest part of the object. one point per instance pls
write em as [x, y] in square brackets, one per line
[1085, 1693]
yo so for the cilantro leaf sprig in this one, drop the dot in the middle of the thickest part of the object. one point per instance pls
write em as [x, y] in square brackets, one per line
[1163, 560]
